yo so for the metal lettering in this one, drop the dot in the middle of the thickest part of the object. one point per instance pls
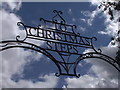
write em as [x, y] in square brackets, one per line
[62, 41]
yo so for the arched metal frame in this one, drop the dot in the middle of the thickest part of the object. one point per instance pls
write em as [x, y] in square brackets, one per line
[60, 28]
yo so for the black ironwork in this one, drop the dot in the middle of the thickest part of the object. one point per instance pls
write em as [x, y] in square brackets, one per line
[60, 38]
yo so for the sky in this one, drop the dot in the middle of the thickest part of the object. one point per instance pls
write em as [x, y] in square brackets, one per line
[28, 69]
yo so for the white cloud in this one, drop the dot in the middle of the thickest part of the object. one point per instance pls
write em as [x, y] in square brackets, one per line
[70, 11]
[111, 26]
[85, 81]
[14, 60]
[11, 5]
[49, 81]
[81, 28]
[90, 16]
[96, 2]
[100, 75]
[86, 13]
[88, 81]
[82, 19]
[73, 19]
[9, 29]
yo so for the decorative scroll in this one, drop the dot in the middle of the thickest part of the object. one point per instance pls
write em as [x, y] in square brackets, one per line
[60, 38]
[56, 40]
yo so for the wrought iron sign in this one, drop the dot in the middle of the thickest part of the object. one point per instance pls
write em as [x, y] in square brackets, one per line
[61, 43]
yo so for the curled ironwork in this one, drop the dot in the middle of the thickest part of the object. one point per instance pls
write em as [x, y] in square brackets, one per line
[62, 39]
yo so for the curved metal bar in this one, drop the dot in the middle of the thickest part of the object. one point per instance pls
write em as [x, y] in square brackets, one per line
[59, 29]
[98, 50]
[65, 67]
[100, 56]
[58, 14]
[41, 50]
[74, 27]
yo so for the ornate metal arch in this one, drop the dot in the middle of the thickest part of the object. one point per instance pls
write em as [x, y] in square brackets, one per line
[101, 56]
[20, 44]
[60, 39]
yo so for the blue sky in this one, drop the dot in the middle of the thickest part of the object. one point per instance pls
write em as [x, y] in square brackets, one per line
[77, 13]
[30, 13]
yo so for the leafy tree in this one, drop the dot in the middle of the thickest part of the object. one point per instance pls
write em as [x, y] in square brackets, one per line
[111, 8]
[118, 56]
